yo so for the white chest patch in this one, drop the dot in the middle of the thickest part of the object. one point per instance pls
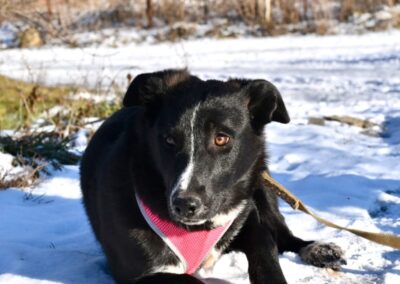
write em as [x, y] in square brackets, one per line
[221, 219]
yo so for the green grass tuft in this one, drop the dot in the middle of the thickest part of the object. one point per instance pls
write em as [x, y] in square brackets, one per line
[42, 146]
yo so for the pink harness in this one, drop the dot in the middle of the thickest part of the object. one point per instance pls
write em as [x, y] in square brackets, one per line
[192, 248]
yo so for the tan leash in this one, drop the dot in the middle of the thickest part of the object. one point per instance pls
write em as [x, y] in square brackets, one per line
[383, 239]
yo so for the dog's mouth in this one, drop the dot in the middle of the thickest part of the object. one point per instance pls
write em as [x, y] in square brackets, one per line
[191, 222]
[185, 221]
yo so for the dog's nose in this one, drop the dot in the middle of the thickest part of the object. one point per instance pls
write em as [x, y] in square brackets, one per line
[187, 207]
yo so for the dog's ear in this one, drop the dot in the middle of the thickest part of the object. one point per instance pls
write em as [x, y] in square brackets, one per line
[147, 88]
[265, 103]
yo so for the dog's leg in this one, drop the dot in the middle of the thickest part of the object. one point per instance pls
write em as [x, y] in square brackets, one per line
[158, 278]
[269, 216]
[261, 250]
[318, 254]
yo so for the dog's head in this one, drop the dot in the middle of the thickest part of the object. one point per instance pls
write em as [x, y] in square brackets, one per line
[206, 138]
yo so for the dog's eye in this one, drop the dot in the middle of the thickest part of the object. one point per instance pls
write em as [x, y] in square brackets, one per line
[221, 139]
[170, 141]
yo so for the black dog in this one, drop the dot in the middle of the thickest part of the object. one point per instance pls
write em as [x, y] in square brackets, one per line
[190, 152]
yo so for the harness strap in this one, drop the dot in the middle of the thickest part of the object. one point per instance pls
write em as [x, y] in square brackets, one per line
[380, 238]
[191, 247]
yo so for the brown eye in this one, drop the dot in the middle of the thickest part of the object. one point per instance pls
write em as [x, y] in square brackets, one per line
[221, 140]
[170, 141]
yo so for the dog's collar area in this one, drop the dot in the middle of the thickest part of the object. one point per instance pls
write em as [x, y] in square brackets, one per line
[191, 247]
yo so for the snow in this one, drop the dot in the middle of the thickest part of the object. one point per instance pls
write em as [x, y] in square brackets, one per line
[85, 95]
[9, 169]
[339, 172]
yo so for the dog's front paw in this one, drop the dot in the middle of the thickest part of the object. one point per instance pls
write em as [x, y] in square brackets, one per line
[327, 255]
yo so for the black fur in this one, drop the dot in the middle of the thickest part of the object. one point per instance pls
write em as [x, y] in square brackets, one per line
[146, 146]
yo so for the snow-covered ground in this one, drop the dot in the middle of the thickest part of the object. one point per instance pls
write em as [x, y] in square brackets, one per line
[341, 173]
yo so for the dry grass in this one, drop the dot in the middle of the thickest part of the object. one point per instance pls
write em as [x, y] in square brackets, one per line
[29, 177]
[57, 18]
[21, 104]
